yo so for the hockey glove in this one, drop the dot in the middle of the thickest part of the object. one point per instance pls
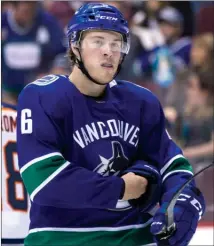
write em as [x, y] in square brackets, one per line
[188, 210]
[152, 195]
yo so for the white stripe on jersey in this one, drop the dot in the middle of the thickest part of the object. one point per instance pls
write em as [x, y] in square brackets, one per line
[163, 169]
[120, 228]
[176, 171]
[52, 176]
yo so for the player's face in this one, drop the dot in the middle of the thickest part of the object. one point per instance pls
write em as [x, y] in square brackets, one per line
[101, 54]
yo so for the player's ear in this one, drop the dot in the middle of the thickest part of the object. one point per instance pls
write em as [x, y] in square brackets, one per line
[75, 51]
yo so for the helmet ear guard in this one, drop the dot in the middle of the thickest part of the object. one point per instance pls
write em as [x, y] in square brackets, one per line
[97, 16]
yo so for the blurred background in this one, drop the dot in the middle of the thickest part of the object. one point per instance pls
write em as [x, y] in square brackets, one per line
[172, 54]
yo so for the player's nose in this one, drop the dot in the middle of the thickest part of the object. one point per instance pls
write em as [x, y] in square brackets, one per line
[106, 50]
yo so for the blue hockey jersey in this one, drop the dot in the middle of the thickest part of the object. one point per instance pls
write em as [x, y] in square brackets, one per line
[71, 150]
[26, 52]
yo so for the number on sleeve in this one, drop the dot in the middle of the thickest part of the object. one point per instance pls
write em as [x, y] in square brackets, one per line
[26, 121]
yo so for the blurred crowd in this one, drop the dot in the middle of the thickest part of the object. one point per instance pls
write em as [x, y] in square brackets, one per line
[172, 54]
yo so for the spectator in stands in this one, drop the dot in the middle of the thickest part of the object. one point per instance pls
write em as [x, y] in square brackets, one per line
[147, 17]
[195, 126]
[171, 24]
[152, 62]
[201, 59]
[31, 38]
[165, 61]
[198, 127]
[202, 52]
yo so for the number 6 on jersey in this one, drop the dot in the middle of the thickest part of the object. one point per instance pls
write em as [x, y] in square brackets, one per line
[26, 121]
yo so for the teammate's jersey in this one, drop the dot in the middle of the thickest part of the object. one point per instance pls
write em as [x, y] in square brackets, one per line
[15, 207]
[72, 149]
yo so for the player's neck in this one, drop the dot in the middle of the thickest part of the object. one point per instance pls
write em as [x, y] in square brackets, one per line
[84, 85]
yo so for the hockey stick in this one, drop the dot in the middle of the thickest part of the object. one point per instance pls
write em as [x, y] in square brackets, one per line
[171, 227]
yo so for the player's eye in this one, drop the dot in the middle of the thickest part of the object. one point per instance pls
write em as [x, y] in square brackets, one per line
[116, 46]
[98, 43]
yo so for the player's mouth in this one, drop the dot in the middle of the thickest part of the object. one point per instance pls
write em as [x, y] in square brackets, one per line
[108, 66]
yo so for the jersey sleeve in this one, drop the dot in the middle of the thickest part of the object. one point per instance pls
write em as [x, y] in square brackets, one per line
[157, 147]
[50, 179]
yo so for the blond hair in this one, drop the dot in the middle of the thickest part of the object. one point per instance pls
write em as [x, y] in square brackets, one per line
[206, 41]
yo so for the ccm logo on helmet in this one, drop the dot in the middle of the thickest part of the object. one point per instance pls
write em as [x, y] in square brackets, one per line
[108, 18]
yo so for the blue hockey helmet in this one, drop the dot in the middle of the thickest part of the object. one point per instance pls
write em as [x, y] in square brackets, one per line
[98, 16]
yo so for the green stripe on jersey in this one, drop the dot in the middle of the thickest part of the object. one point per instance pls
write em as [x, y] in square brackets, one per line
[180, 164]
[37, 173]
[130, 237]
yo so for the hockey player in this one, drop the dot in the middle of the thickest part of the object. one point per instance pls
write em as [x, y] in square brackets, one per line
[15, 202]
[94, 153]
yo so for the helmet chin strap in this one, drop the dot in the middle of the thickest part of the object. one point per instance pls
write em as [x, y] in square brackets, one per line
[84, 70]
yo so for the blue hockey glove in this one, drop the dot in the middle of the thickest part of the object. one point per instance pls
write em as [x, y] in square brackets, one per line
[152, 195]
[188, 210]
